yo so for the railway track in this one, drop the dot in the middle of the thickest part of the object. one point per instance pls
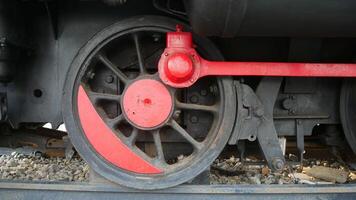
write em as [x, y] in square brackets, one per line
[221, 184]
[23, 190]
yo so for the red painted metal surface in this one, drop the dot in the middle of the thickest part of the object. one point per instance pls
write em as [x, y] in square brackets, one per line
[179, 68]
[179, 39]
[147, 103]
[180, 43]
[106, 143]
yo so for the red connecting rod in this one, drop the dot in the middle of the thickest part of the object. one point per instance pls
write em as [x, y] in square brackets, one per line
[181, 66]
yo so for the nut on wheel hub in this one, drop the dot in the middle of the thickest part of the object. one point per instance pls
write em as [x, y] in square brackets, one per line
[147, 103]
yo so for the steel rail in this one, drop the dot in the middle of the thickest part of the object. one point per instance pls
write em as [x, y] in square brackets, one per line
[61, 190]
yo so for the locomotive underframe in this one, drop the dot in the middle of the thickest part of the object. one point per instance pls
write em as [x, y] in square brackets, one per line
[51, 58]
[53, 32]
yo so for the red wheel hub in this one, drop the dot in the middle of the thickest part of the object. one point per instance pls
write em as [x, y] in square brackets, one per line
[147, 103]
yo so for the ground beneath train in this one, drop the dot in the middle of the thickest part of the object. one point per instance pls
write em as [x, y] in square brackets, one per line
[229, 169]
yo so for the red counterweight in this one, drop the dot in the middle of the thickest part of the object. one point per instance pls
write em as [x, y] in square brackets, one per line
[181, 66]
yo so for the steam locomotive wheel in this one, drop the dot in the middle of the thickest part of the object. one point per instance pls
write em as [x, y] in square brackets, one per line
[348, 111]
[130, 127]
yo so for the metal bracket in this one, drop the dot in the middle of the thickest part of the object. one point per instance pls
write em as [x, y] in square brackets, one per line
[249, 112]
[300, 138]
[255, 119]
[3, 106]
[267, 92]
[69, 149]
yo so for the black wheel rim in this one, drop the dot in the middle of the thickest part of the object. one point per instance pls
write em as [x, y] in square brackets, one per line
[348, 111]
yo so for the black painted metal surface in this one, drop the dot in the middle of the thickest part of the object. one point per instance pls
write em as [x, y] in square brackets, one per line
[303, 18]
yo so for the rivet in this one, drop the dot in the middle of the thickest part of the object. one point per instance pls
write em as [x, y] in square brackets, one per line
[194, 99]
[194, 119]
[109, 79]
[204, 92]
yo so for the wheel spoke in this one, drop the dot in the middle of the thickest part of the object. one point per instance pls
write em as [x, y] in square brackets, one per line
[189, 106]
[197, 145]
[115, 121]
[97, 96]
[132, 138]
[113, 68]
[158, 144]
[141, 63]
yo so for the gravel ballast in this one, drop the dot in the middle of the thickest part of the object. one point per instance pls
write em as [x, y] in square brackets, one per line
[25, 167]
[223, 171]
[233, 171]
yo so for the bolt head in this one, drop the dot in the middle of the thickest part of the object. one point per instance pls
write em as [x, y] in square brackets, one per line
[194, 99]
[176, 114]
[278, 164]
[109, 79]
[259, 112]
[204, 92]
[194, 119]
[90, 75]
